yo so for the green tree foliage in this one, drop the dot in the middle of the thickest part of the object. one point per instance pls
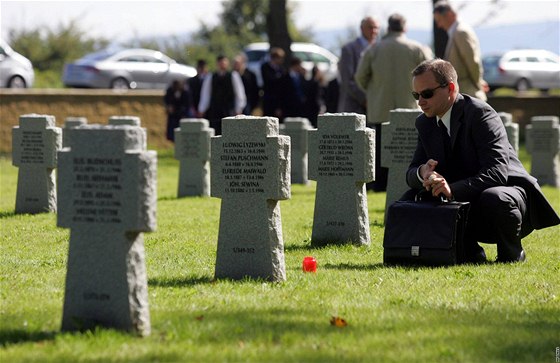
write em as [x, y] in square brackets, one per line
[49, 49]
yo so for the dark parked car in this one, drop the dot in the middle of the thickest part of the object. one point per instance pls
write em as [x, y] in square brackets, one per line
[522, 69]
[129, 68]
[16, 71]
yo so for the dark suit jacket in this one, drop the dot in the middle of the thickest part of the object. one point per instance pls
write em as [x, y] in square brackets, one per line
[481, 158]
[351, 97]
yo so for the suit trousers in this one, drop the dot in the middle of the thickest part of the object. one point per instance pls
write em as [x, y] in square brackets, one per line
[499, 216]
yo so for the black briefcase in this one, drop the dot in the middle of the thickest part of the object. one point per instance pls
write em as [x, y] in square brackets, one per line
[427, 233]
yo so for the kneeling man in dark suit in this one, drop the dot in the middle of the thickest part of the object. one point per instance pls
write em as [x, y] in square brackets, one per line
[463, 153]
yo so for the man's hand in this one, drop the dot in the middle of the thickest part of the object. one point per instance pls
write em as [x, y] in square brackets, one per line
[434, 181]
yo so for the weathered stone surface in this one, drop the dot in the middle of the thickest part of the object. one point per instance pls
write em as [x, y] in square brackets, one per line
[108, 197]
[296, 128]
[543, 143]
[398, 142]
[69, 124]
[250, 171]
[192, 149]
[512, 130]
[341, 160]
[35, 143]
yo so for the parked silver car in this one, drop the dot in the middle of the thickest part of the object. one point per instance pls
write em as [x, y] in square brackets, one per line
[16, 71]
[522, 69]
[310, 54]
[129, 68]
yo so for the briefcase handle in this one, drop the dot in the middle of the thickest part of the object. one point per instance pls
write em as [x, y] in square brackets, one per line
[422, 194]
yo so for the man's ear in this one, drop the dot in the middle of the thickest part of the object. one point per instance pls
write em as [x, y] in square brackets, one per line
[452, 86]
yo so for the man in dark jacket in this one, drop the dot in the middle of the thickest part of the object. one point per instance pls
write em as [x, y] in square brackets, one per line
[463, 153]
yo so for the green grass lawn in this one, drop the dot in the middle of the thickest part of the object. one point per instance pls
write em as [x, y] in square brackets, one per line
[487, 313]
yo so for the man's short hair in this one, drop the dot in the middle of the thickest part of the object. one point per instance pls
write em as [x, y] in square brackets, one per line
[442, 7]
[441, 69]
[220, 57]
[201, 63]
[397, 23]
[295, 61]
[277, 52]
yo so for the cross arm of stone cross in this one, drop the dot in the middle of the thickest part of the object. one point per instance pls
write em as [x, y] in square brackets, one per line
[342, 146]
[250, 159]
[36, 141]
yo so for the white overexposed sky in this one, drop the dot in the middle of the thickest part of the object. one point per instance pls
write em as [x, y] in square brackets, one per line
[123, 20]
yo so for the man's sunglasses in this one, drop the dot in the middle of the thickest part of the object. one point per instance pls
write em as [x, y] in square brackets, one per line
[427, 93]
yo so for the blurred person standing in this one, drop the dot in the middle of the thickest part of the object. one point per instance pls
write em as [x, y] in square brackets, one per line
[384, 73]
[294, 90]
[314, 96]
[351, 97]
[462, 50]
[195, 83]
[273, 76]
[222, 95]
[178, 105]
[249, 83]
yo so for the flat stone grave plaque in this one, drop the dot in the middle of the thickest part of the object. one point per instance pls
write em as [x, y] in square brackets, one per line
[107, 187]
[341, 160]
[35, 143]
[543, 143]
[192, 149]
[250, 172]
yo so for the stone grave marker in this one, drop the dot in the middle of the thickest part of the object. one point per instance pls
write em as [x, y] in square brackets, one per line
[250, 172]
[35, 143]
[341, 160]
[543, 143]
[512, 130]
[296, 128]
[69, 124]
[107, 188]
[192, 149]
[398, 143]
[124, 120]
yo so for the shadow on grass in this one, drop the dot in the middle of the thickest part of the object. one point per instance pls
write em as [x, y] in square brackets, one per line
[7, 214]
[17, 336]
[180, 281]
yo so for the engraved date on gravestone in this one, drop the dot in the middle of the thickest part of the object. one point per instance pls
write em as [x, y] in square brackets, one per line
[244, 166]
[96, 296]
[243, 250]
[335, 223]
[97, 187]
[335, 155]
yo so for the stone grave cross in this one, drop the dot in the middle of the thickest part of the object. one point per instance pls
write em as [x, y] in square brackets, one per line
[296, 128]
[341, 160]
[107, 188]
[35, 143]
[398, 143]
[192, 149]
[250, 172]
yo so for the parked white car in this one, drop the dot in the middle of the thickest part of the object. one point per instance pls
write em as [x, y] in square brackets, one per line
[310, 54]
[16, 71]
[128, 68]
[522, 69]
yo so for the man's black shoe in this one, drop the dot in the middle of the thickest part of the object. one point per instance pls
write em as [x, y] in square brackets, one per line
[521, 258]
[477, 258]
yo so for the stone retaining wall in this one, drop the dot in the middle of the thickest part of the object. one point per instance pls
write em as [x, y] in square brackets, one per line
[98, 105]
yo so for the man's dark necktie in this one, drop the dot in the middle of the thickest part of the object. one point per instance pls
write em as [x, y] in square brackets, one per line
[445, 137]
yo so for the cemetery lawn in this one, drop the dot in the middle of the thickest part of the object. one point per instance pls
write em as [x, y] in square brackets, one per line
[485, 313]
